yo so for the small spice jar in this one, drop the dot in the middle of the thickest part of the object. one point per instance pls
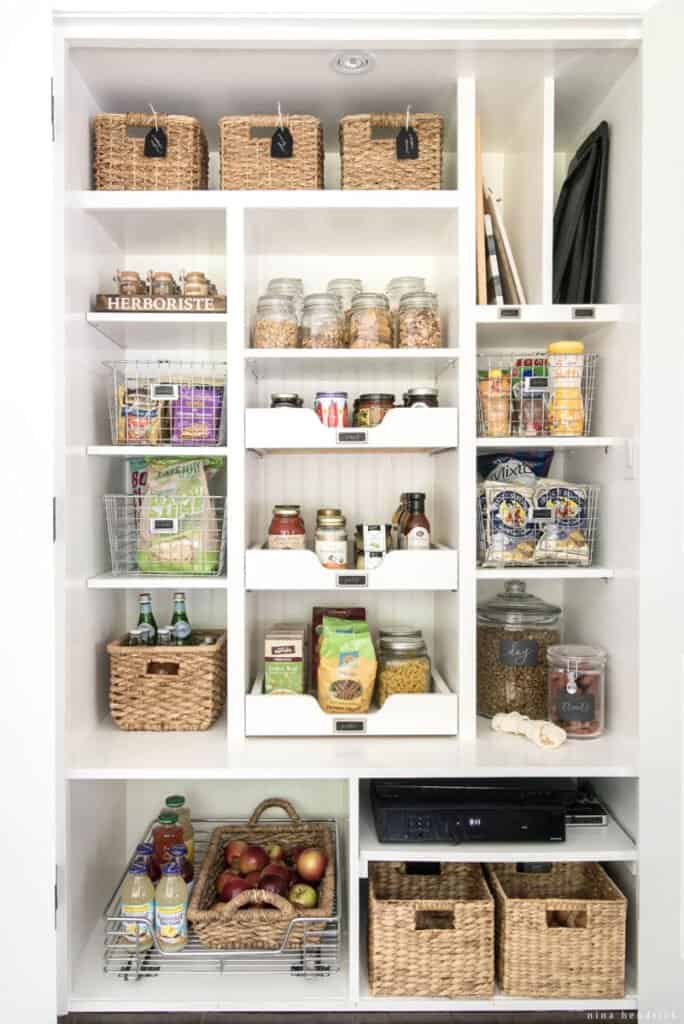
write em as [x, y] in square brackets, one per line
[372, 541]
[576, 689]
[162, 283]
[322, 322]
[370, 324]
[396, 288]
[403, 667]
[332, 408]
[290, 288]
[371, 409]
[419, 323]
[331, 538]
[514, 632]
[286, 400]
[130, 282]
[286, 531]
[421, 398]
[195, 284]
[275, 325]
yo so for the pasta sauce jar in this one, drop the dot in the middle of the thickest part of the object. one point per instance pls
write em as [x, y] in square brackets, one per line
[369, 410]
[286, 531]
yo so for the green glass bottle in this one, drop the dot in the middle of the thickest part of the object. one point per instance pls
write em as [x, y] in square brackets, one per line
[146, 620]
[180, 623]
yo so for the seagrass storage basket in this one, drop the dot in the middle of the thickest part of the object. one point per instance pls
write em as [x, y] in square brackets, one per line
[168, 688]
[368, 162]
[559, 934]
[430, 935]
[120, 161]
[246, 161]
[257, 919]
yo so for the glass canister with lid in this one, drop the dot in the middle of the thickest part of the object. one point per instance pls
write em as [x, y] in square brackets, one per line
[289, 287]
[322, 321]
[371, 409]
[286, 531]
[403, 667]
[275, 325]
[396, 288]
[370, 324]
[419, 322]
[345, 288]
[421, 398]
[514, 631]
[331, 538]
[577, 687]
[286, 400]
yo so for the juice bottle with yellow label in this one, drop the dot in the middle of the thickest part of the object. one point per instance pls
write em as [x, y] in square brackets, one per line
[171, 923]
[137, 901]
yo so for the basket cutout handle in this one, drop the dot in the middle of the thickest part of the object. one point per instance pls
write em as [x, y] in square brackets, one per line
[162, 668]
[274, 801]
[382, 131]
[425, 867]
[434, 920]
[258, 898]
[565, 917]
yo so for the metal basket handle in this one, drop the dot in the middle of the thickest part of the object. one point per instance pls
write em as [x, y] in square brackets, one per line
[275, 801]
[258, 897]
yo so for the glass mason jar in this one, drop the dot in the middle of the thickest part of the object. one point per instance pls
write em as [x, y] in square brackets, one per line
[403, 667]
[130, 282]
[370, 325]
[291, 288]
[514, 631]
[286, 531]
[399, 633]
[286, 400]
[345, 288]
[419, 323]
[396, 288]
[195, 283]
[371, 409]
[162, 283]
[275, 325]
[577, 689]
[421, 398]
[322, 322]
[331, 538]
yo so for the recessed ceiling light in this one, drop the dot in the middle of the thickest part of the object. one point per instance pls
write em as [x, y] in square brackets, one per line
[351, 62]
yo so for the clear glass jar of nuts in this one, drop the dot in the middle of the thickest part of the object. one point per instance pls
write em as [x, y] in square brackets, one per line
[322, 322]
[370, 325]
[403, 667]
[419, 324]
[514, 632]
[275, 325]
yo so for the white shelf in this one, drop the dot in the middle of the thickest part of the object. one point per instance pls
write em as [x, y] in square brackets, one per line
[436, 569]
[429, 714]
[550, 442]
[301, 430]
[592, 572]
[607, 843]
[390, 199]
[550, 314]
[159, 331]
[314, 363]
[132, 451]
[108, 581]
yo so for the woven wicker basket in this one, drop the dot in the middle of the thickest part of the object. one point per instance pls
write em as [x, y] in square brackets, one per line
[166, 689]
[266, 917]
[120, 162]
[559, 934]
[430, 935]
[369, 163]
[246, 162]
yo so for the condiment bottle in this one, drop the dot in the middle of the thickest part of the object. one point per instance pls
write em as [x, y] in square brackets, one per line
[178, 806]
[170, 918]
[416, 528]
[396, 522]
[286, 531]
[165, 834]
[137, 901]
[331, 538]
[566, 403]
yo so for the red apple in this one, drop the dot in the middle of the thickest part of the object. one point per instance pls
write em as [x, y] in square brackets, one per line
[231, 885]
[293, 853]
[303, 896]
[311, 864]
[271, 883]
[233, 852]
[252, 879]
[254, 858]
[275, 851]
[277, 870]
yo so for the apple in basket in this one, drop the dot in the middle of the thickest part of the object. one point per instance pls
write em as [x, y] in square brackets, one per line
[233, 852]
[228, 886]
[311, 864]
[252, 879]
[303, 897]
[275, 851]
[271, 883]
[276, 869]
[253, 858]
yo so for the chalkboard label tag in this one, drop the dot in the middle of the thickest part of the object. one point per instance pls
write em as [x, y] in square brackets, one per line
[155, 142]
[407, 144]
[282, 143]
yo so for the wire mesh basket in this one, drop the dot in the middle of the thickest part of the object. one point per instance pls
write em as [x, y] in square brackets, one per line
[167, 403]
[525, 395]
[160, 534]
[318, 956]
[553, 523]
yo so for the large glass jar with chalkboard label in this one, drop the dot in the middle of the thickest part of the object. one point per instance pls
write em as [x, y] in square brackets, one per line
[514, 630]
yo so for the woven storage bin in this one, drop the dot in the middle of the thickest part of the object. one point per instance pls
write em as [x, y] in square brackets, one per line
[166, 689]
[120, 162]
[372, 163]
[266, 917]
[537, 953]
[247, 163]
[430, 935]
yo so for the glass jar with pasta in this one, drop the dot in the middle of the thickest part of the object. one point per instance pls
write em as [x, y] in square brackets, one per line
[403, 667]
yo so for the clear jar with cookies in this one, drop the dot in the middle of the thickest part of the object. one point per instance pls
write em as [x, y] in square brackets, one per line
[403, 667]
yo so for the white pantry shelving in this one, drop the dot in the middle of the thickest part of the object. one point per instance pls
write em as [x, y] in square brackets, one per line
[112, 782]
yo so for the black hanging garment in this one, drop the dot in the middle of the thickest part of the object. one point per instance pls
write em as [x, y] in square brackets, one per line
[578, 222]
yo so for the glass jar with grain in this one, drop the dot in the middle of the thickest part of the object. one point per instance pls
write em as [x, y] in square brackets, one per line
[514, 631]
[403, 667]
[275, 325]
[322, 321]
[419, 322]
[370, 325]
